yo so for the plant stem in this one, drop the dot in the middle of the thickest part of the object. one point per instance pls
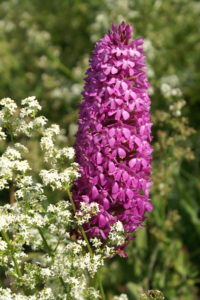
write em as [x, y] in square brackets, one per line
[50, 252]
[12, 194]
[80, 227]
[16, 266]
[88, 245]
[101, 287]
[47, 247]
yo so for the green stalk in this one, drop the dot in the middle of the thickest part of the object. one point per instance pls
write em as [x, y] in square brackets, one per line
[101, 287]
[47, 247]
[88, 244]
[50, 252]
[10, 247]
[80, 227]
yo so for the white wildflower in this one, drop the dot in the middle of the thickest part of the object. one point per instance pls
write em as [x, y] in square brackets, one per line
[116, 235]
[121, 297]
[46, 272]
[52, 178]
[96, 242]
[86, 211]
[2, 134]
[32, 106]
[12, 154]
[40, 122]
[56, 252]
[21, 147]
[9, 106]
[3, 245]
[166, 89]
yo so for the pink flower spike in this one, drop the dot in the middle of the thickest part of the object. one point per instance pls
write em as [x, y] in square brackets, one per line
[114, 134]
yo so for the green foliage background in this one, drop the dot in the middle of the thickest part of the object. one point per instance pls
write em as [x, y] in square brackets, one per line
[44, 49]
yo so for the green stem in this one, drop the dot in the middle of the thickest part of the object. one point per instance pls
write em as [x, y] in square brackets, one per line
[63, 284]
[47, 247]
[50, 252]
[62, 67]
[10, 247]
[101, 287]
[80, 227]
[88, 245]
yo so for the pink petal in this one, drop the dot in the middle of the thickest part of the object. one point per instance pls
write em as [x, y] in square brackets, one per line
[112, 80]
[102, 221]
[95, 180]
[85, 198]
[132, 162]
[127, 95]
[125, 115]
[112, 132]
[99, 127]
[129, 193]
[99, 158]
[144, 163]
[131, 72]
[111, 167]
[131, 106]
[114, 70]
[114, 153]
[121, 153]
[124, 85]
[122, 195]
[118, 115]
[149, 207]
[95, 192]
[107, 71]
[133, 95]
[127, 205]
[106, 203]
[113, 105]
[137, 141]
[110, 91]
[118, 101]
[102, 179]
[115, 188]
[125, 176]
[126, 133]
[118, 175]
[118, 63]
[117, 85]
[111, 142]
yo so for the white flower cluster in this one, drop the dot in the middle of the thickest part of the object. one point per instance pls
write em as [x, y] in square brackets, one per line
[52, 153]
[173, 94]
[57, 180]
[21, 121]
[41, 240]
[121, 297]
[168, 90]
[9, 108]
[31, 107]
[116, 235]
[86, 211]
[11, 163]
[7, 294]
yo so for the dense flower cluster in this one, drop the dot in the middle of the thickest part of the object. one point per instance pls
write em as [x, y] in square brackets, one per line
[34, 224]
[113, 140]
[40, 256]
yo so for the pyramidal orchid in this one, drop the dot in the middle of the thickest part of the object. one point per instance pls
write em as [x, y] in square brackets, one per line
[113, 140]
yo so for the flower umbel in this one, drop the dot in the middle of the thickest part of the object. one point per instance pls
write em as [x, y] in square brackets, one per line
[113, 140]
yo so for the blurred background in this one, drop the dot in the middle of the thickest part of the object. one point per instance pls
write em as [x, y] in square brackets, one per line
[44, 51]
